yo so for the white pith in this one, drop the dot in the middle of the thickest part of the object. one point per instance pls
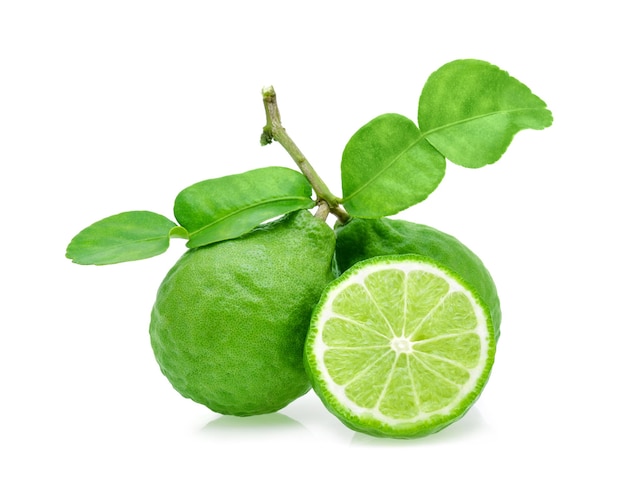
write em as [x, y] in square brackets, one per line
[400, 344]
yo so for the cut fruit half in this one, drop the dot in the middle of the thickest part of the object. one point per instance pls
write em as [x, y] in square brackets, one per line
[399, 346]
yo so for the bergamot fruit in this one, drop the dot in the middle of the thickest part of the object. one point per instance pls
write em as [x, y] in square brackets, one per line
[399, 346]
[361, 239]
[230, 319]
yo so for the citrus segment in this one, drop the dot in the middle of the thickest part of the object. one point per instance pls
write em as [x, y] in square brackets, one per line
[399, 346]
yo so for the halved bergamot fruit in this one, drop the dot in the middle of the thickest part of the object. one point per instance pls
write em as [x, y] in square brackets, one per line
[399, 346]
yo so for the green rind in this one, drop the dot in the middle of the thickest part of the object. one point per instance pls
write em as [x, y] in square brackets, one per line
[362, 239]
[370, 425]
[230, 319]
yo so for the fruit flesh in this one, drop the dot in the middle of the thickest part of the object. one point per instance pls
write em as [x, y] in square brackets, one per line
[230, 319]
[399, 347]
[361, 239]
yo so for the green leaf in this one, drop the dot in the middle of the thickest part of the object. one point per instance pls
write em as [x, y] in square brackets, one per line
[128, 236]
[388, 166]
[470, 110]
[230, 206]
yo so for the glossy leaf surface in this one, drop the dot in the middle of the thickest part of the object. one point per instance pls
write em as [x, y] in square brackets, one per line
[230, 206]
[128, 236]
[470, 110]
[388, 166]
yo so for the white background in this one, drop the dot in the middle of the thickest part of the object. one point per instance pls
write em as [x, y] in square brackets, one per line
[118, 105]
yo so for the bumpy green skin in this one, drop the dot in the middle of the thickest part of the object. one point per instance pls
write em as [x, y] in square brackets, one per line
[361, 239]
[230, 319]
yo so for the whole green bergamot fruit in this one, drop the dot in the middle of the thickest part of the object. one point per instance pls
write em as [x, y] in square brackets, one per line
[230, 319]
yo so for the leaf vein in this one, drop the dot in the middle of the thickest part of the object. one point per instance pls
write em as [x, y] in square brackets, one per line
[477, 117]
[384, 169]
[255, 205]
